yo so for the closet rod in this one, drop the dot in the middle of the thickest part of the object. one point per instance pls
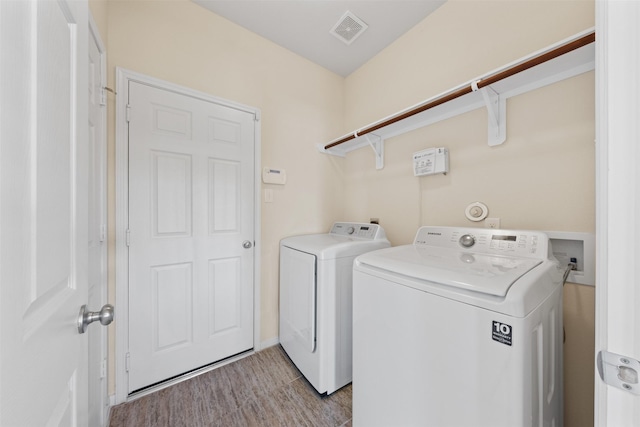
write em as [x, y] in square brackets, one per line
[491, 79]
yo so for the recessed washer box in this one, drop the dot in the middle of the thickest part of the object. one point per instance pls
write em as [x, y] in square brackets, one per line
[581, 246]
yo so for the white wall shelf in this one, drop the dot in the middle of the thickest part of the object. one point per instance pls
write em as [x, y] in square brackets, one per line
[563, 60]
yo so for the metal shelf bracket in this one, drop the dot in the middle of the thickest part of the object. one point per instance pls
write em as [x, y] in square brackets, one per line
[496, 112]
[378, 149]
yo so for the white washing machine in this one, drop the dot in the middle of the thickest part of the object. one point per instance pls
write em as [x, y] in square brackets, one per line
[462, 328]
[315, 300]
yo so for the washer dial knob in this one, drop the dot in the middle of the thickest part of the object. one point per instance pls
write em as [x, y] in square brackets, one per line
[350, 230]
[467, 240]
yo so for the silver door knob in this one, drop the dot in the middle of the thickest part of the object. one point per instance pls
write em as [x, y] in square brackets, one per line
[246, 244]
[105, 316]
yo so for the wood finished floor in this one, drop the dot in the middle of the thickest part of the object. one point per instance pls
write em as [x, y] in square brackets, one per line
[264, 389]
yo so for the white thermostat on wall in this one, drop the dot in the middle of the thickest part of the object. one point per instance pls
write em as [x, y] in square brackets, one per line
[274, 176]
[431, 161]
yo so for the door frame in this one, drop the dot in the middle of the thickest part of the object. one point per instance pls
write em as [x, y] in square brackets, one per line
[123, 77]
[94, 33]
[617, 185]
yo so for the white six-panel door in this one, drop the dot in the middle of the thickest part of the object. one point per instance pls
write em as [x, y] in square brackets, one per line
[43, 212]
[191, 233]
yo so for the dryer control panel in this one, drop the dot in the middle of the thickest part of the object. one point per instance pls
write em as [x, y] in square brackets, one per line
[525, 243]
[359, 230]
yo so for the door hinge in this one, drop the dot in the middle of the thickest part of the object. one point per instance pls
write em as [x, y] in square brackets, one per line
[128, 237]
[103, 232]
[127, 362]
[128, 110]
[619, 371]
[103, 368]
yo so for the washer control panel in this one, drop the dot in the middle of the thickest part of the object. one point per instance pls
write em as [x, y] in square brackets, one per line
[359, 230]
[491, 241]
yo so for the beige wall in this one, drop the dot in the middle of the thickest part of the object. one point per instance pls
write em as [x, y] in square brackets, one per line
[542, 177]
[99, 13]
[459, 41]
[300, 102]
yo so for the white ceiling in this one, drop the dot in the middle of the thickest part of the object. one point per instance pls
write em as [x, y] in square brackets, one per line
[303, 26]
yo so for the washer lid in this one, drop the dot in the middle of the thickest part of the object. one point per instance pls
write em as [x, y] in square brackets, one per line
[485, 273]
[330, 246]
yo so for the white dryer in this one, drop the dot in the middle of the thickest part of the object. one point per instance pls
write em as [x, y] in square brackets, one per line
[462, 328]
[315, 300]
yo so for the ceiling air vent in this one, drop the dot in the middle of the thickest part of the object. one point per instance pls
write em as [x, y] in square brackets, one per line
[348, 28]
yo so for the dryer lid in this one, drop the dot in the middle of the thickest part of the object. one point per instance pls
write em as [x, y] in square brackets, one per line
[330, 246]
[485, 273]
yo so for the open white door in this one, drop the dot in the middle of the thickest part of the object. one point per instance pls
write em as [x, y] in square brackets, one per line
[618, 188]
[43, 212]
[97, 181]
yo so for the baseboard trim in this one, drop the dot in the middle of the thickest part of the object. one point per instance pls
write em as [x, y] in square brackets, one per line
[269, 343]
